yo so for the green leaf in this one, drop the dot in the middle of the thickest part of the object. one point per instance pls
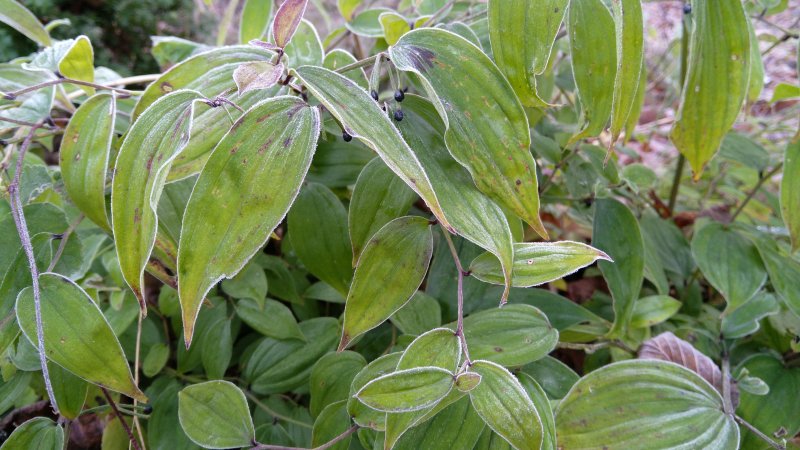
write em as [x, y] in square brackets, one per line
[211, 74]
[84, 156]
[467, 381]
[139, 175]
[504, 405]
[287, 18]
[216, 348]
[655, 405]
[594, 63]
[378, 197]
[363, 415]
[407, 390]
[331, 377]
[542, 405]
[487, 129]
[155, 360]
[456, 427]
[616, 232]
[256, 75]
[362, 118]
[522, 35]
[783, 272]
[367, 23]
[756, 83]
[790, 190]
[251, 282]
[33, 106]
[77, 336]
[716, 81]
[471, 213]
[215, 414]
[170, 50]
[14, 388]
[305, 48]
[513, 335]
[778, 409]
[318, 233]
[338, 58]
[270, 318]
[255, 18]
[746, 319]
[537, 263]
[394, 25]
[391, 268]
[40, 433]
[332, 422]
[638, 104]
[253, 175]
[628, 23]
[15, 15]
[420, 314]
[347, 8]
[730, 262]
[554, 377]
[68, 389]
[78, 62]
[652, 310]
[277, 366]
[784, 91]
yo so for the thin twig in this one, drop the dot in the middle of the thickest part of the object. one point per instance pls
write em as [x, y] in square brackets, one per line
[136, 362]
[25, 90]
[64, 238]
[439, 13]
[461, 273]
[25, 238]
[358, 64]
[324, 446]
[758, 433]
[275, 414]
[121, 419]
[22, 123]
[755, 189]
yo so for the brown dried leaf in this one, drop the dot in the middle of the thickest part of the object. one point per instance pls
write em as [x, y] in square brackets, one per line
[668, 347]
[257, 75]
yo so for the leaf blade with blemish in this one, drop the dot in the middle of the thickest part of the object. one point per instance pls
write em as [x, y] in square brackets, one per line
[392, 267]
[286, 21]
[256, 75]
[669, 404]
[537, 263]
[76, 335]
[271, 157]
[139, 175]
[493, 145]
[84, 156]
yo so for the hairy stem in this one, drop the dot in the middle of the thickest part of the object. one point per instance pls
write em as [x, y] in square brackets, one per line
[362, 63]
[461, 273]
[134, 442]
[15, 94]
[328, 444]
[25, 238]
[758, 433]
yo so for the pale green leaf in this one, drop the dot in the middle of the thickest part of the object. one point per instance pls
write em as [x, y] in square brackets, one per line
[756, 83]
[362, 414]
[456, 427]
[306, 47]
[250, 180]
[338, 58]
[790, 190]
[270, 318]
[487, 129]
[215, 414]
[628, 23]
[407, 390]
[331, 377]
[21, 19]
[367, 23]
[394, 25]
[86, 347]
[78, 62]
[652, 310]
[331, 423]
[254, 23]
[39, 433]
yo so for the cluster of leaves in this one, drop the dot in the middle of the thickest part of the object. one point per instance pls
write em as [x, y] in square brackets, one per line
[279, 244]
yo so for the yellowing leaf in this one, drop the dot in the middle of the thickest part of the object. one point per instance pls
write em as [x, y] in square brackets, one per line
[391, 268]
[716, 79]
[487, 129]
[394, 25]
[84, 156]
[250, 180]
[522, 33]
[139, 175]
[78, 62]
[77, 336]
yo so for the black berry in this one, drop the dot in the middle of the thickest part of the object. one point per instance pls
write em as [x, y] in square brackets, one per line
[398, 115]
[346, 136]
[374, 94]
[147, 409]
[687, 8]
[399, 95]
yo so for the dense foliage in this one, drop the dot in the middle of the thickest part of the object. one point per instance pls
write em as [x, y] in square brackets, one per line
[297, 242]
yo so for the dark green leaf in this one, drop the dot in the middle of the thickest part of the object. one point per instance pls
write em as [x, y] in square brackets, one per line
[215, 414]
[39, 433]
[270, 318]
[331, 377]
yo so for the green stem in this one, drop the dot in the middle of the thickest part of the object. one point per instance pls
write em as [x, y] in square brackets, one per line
[359, 64]
[676, 180]
[324, 446]
[755, 189]
[275, 414]
[461, 273]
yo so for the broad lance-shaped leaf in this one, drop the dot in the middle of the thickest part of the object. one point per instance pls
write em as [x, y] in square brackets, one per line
[644, 405]
[730, 262]
[790, 190]
[215, 414]
[249, 182]
[255, 18]
[378, 197]
[362, 118]
[287, 18]
[471, 213]
[716, 79]
[407, 390]
[487, 129]
[78, 62]
[77, 336]
[21, 19]
[537, 263]
[594, 63]
[628, 23]
[211, 74]
[504, 405]
[40, 433]
[522, 33]
[84, 156]
[390, 270]
[139, 175]
[616, 232]
[783, 270]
